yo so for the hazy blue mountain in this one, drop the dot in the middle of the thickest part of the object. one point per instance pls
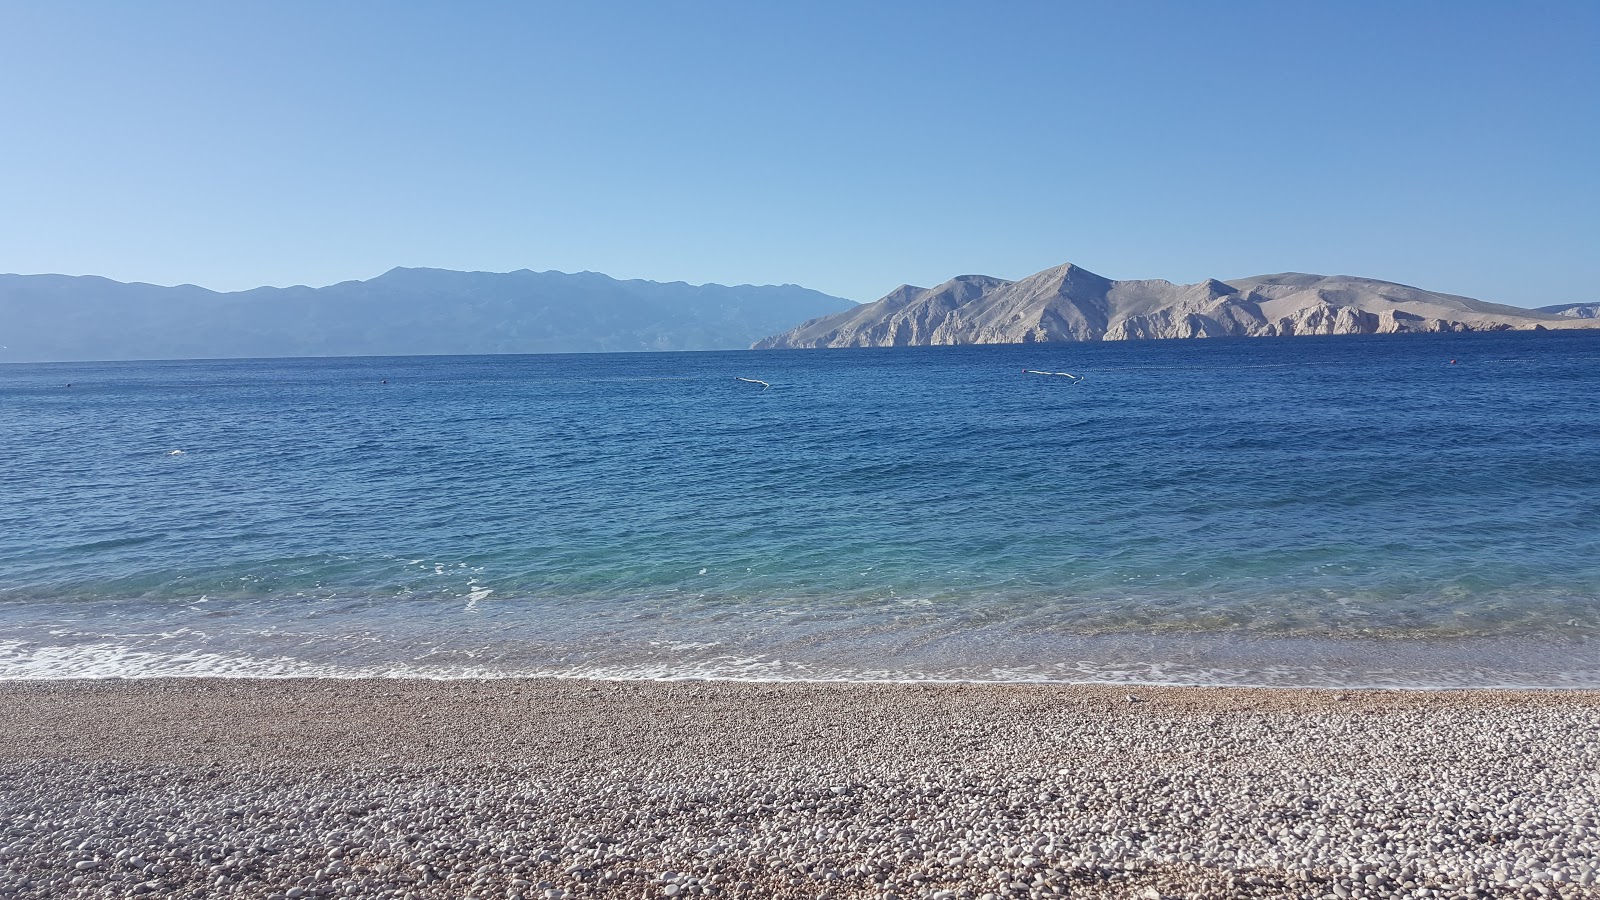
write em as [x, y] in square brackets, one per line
[403, 311]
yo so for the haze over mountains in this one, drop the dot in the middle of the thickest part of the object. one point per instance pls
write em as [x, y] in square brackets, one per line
[403, 311]
[1069, 303]
[440, 311]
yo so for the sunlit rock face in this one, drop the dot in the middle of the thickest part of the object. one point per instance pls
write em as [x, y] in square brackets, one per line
[1068, 303]
[1575, 310]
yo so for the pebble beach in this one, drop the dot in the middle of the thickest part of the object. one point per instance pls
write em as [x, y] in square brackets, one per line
[288, 789]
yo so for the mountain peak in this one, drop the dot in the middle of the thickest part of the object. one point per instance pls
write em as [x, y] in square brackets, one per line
[1068, 303]
[1068, 273]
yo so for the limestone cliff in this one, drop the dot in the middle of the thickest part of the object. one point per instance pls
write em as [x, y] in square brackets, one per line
[1068, 303]
[1575, 310]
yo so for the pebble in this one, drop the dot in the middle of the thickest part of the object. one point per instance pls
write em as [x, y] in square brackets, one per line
[555, 790]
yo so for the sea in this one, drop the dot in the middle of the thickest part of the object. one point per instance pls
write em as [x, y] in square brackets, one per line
[1399, 511]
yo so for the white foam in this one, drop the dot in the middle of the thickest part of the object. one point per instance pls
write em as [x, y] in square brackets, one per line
[20, 660]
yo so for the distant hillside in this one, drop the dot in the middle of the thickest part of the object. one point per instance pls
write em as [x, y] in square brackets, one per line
[1068, 303]
[403, 311]
[1574, 310]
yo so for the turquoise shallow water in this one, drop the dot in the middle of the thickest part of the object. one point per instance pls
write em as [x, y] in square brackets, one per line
[1339, 511]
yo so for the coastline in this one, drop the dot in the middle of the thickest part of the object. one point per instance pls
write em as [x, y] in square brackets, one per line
[480, 650]
[546, 788]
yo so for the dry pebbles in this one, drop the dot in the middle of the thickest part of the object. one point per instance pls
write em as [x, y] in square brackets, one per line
[522, 789]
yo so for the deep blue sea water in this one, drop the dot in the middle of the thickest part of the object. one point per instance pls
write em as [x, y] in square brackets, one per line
[1323, 511]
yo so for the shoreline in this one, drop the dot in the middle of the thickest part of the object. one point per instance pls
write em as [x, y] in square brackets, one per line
[558, 788]
[1524, 662]
[1512, 689]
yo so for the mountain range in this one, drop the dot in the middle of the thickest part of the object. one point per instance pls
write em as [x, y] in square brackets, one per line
[1069, 303]
[439, 311]
[403, 311]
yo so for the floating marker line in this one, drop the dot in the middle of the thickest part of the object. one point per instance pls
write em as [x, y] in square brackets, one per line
[763, 384]
[1063, 374]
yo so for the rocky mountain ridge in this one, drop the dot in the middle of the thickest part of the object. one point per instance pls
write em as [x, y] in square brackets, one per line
[1574, 310]
[1069, 303]
[401, 312]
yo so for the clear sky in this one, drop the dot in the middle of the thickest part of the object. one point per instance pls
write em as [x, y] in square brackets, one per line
[848, 147]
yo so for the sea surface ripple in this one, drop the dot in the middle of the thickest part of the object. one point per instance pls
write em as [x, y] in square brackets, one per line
[1314, 511]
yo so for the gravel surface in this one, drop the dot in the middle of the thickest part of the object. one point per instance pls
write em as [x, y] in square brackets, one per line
[553, 789]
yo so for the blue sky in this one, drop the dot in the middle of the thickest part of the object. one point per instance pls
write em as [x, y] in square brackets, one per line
[848, 147]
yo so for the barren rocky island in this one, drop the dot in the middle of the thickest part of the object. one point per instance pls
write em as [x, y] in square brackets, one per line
[1069, 303]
